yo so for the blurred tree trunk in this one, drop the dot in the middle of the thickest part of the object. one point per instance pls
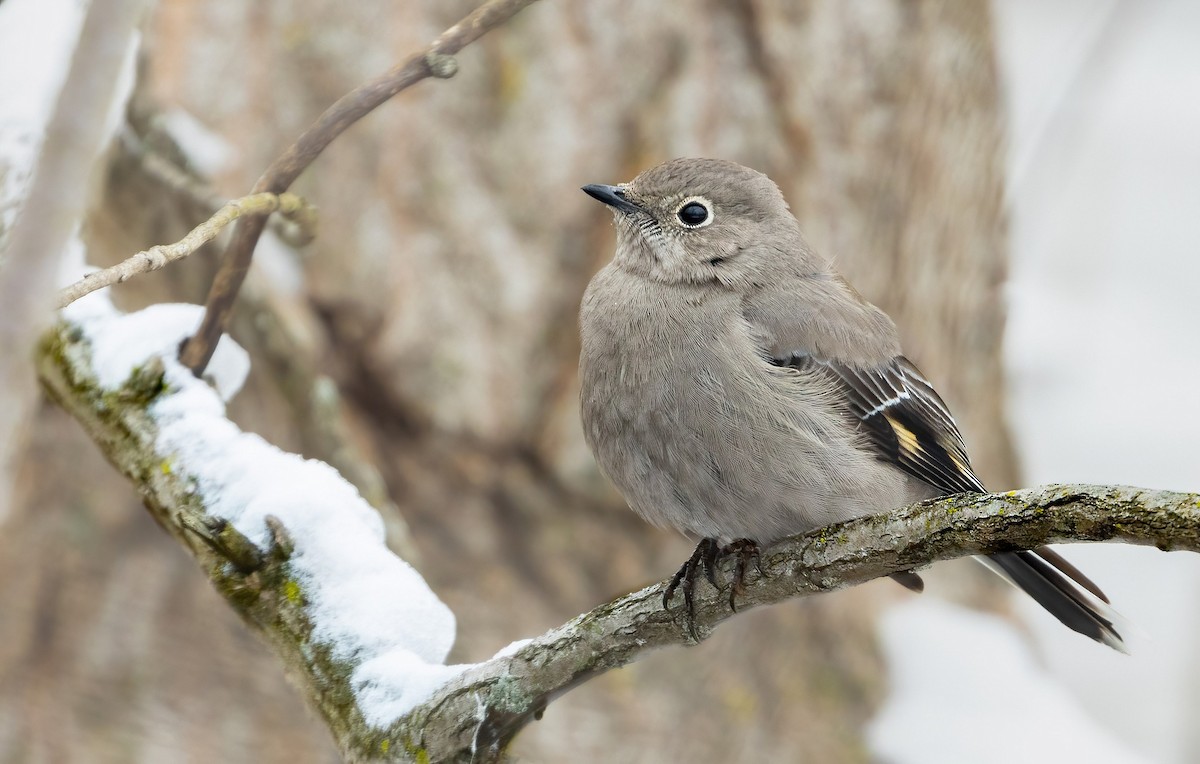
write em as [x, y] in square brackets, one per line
[442, 296]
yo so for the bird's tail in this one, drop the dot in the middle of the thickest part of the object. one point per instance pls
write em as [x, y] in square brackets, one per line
[1066, 593]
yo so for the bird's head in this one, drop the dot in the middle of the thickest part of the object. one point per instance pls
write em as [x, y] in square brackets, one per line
[704, 221]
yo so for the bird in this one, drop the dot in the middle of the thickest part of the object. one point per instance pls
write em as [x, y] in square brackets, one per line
[734, 386]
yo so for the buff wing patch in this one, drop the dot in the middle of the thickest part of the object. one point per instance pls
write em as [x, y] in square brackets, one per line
[904, 419]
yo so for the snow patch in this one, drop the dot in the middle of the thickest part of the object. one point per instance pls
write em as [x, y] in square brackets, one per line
[205, 150]
[511, 649]
[395, 682]
[122, 342]
[36, 41]
[370, 607]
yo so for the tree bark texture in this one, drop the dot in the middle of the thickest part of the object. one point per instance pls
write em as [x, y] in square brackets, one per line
[441, 300]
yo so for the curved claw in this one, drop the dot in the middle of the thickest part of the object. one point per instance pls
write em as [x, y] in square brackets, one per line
[703, 558]
[706, 557]
[746, 551]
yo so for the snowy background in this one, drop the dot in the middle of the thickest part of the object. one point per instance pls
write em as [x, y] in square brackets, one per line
[1104, 353]
[1103, 357]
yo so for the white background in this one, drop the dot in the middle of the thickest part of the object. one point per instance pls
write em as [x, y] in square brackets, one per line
[1103, 353]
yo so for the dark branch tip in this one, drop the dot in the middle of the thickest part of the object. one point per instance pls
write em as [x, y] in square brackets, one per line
[228, 542]
[282, 545]
[145, 382]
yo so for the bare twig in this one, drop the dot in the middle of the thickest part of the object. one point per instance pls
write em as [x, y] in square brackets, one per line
[435, 61]
[185, 185]
[158, 256]
[474, 716]
[285, 337]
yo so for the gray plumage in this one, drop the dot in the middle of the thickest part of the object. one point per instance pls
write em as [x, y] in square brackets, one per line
[735, 386]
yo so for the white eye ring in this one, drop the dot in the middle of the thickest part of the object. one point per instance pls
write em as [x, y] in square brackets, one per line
[698, 201]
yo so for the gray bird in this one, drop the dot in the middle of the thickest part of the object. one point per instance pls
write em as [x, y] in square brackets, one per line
[737, 388]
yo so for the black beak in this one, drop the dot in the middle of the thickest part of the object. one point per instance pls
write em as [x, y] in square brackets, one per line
[613, 196]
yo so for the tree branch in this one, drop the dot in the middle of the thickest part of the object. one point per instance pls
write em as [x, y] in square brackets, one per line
[474, 715]
[506, 693]
[291, 206]
[435, 61]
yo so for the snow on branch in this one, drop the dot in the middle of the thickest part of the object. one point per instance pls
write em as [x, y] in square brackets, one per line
[291, 545]
[300, 556]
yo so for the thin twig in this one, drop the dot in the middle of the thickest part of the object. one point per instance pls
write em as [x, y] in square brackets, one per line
[191, 188]
[435, 61]
[156, 257]
[284, 337]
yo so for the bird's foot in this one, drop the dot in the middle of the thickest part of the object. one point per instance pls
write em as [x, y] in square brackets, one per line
[747, 551]
[705, 558]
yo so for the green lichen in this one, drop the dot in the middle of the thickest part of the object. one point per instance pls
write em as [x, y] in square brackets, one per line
[415, 752]
[145, 383]
[242, 593]
[292, 591]
[508, 696]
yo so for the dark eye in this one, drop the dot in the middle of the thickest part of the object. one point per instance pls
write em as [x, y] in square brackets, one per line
[693, 214]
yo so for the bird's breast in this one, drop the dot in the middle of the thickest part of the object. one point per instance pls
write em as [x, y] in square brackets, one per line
[669, 379]
[700, 433]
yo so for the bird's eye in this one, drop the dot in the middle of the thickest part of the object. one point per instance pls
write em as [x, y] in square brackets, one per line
[694, 213]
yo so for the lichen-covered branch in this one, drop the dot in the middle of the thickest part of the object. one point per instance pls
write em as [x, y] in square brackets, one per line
[489, 704]
[473, 715]
[291, 206]
[256, 582]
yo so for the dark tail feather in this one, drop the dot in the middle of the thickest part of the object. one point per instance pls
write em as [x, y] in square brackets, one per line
[1056, 560]
[1082, 608]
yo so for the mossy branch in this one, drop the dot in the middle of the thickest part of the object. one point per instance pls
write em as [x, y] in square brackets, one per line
[256, 583]
[473, 717]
